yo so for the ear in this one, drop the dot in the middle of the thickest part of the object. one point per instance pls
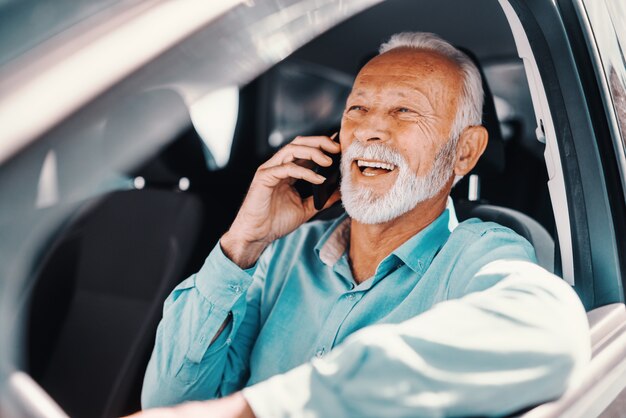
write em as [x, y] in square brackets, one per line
[471, 145]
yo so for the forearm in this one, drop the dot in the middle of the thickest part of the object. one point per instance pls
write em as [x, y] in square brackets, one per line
[489, 353]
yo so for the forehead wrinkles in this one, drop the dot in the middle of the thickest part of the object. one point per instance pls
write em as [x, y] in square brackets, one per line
[426, 69]
[402, 86]
[414, 59]
[428, 95]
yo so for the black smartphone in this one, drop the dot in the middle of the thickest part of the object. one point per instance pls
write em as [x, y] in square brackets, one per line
[322, 192]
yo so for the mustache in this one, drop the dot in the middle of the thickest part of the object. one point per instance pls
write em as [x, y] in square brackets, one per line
[378, 152]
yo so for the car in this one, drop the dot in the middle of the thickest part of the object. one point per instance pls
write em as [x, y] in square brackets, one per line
[131, 130]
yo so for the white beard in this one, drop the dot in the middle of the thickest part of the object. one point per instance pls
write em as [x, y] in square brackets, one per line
[363, 205]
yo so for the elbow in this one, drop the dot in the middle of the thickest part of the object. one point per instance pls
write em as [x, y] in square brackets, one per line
[148, 400]
[159, 394]
[159, 389]
[150, 393]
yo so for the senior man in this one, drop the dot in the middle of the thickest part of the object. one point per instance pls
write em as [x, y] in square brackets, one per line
[393, 310]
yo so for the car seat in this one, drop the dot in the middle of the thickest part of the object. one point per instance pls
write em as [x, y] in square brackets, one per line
[492, 163]
[99, 292]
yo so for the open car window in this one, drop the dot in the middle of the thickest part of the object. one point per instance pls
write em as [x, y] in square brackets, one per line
[191, 120]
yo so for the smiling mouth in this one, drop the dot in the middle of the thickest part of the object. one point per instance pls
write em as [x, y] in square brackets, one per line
[374, 168]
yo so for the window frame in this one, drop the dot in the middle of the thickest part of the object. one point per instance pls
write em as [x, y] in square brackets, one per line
[586, 164]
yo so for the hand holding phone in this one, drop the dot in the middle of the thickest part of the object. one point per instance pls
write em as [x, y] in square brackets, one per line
[271, 208]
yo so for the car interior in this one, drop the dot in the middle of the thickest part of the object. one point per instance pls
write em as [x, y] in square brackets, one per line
[162, 189]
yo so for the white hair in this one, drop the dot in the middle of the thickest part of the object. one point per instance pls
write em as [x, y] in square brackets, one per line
[470, 106]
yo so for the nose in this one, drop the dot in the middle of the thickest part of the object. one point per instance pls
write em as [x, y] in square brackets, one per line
[371, 128]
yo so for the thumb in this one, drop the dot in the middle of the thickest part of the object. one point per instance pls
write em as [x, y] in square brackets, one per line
[309, 205]
[334, 198]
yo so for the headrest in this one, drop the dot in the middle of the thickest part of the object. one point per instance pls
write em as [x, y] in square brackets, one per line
[155, 120]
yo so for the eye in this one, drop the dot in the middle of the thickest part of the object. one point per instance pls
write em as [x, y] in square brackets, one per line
[403, 110]
[356, 107]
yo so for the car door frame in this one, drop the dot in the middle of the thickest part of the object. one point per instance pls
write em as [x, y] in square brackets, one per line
[550, 40]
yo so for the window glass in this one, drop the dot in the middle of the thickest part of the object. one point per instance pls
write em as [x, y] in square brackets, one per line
[214, 117]
[608, 20]
[305, 99]
[617, 75]
[48, 186]
[303, 104]
[26, 23]
[138, 133]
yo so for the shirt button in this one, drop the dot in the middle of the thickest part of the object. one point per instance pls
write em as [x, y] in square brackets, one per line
[320, 353]
[228, 341]
[236, 289]
[350, 296]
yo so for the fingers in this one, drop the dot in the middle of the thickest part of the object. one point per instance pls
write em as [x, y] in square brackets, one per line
[322, 142]
[271, 176]
[292, 152]
[312, 148]
[297, 159]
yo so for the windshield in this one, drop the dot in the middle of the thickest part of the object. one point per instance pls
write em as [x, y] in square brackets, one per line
[102, 146]
[608, 19]
[25, 24]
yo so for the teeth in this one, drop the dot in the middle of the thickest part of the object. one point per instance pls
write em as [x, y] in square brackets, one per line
[375, 164]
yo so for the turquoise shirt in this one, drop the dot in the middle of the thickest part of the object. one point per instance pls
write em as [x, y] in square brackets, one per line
[341, 349]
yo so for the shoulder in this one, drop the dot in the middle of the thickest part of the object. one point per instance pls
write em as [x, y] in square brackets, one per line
[480, 236]
[479, 228]
[475, 244]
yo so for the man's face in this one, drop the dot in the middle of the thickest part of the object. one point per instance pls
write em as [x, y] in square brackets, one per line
[400, 111]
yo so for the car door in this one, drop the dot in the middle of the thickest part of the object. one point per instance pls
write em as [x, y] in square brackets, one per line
[569, 49]
[576, 98]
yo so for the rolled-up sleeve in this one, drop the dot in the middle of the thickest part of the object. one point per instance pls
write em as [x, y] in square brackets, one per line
[185, 363]
[491, 352]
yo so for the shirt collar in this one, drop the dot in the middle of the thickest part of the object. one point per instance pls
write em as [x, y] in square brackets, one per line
[334, 241]
[417, 252]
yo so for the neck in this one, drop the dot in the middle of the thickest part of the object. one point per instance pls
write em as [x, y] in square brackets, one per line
[370, 244]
